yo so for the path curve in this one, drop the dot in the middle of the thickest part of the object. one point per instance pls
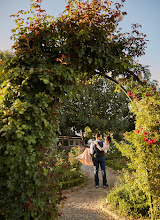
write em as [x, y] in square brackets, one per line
[85, 202]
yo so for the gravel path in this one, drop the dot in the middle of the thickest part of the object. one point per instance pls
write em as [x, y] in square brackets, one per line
[85, 202]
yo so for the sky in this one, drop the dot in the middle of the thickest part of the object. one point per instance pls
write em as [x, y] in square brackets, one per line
[144, 12]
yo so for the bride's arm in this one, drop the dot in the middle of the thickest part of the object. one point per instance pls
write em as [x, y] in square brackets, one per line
[106, 147]
[96, 142]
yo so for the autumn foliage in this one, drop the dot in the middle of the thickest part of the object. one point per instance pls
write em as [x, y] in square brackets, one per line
[86, 39]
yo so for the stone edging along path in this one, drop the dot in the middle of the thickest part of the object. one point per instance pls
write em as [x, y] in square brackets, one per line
[87, 202]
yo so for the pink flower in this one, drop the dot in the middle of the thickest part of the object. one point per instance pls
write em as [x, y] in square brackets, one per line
[154, 141]
[145, 139]
[149, 141]
[137, 131]
[80, 148]
[134, 96]
[129, 93]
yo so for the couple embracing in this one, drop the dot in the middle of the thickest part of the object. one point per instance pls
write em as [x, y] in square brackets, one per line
[95, 156]
[98, 148]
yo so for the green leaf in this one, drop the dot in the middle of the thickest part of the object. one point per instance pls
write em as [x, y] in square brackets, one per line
[19, 135]
[27, 172]
[45, 172]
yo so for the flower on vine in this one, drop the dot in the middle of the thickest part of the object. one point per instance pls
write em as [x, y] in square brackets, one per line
[129, 93]
[137, 131]
[145, 139]
[154, 141]
[145, 133]
[134, 96]
[150, 142]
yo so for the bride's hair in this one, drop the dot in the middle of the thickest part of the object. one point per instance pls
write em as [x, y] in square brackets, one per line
[109, 139]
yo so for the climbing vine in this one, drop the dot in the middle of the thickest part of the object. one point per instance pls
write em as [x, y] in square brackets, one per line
[141, 146]
[49, 55]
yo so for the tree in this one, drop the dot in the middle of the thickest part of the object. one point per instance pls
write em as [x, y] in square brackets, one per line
[97, 105]
[49, 55]
[4, 55]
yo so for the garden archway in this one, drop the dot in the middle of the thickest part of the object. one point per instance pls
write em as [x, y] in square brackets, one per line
[49, 55]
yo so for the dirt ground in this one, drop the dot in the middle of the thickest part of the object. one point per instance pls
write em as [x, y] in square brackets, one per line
[87, 202]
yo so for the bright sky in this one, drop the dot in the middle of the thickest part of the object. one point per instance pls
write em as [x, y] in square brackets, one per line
[144, 12]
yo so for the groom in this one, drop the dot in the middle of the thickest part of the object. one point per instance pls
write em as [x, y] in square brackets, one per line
[97, 150]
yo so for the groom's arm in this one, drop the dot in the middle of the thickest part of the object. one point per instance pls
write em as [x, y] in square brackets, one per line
[105, 148]
[97, 145]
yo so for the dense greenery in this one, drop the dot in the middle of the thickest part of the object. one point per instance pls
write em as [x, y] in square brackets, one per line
[115, 159]
[128, 198]
[69, 168]
[96, 105]
[141, 146]
[50, 54]
[5, 55]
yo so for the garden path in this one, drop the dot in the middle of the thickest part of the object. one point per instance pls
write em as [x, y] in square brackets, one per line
[87, 202]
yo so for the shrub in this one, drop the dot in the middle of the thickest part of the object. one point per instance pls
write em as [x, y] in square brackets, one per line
[141, 146]
[70, 173]
[75, 151]
[114, 158]
[127, 198]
